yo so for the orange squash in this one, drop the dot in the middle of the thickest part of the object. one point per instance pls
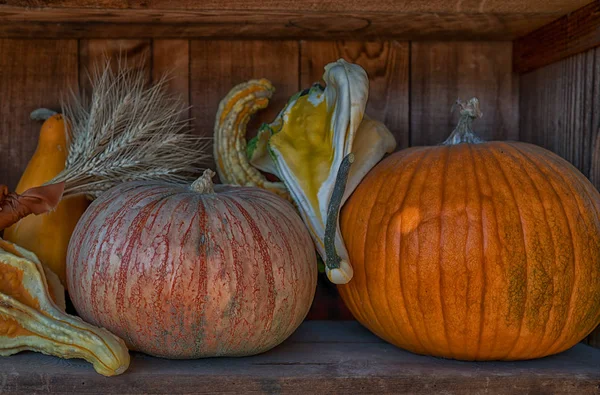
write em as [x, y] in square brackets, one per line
[32, 317]
[48, 235]
[475, 250]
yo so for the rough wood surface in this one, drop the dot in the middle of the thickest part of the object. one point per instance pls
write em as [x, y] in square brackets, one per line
[33, 74]
[217, 66]
[172, 58]
[284, 23]
[557, 109]
[442, 72]
[386, 63]
[571, 34]
[439, 6]
[595, 162]
[321, 357]
[94, 53]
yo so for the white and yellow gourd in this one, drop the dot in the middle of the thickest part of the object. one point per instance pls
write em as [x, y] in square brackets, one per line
[306, 146]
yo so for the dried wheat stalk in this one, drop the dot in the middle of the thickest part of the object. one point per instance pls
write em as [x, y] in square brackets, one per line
[127, 131]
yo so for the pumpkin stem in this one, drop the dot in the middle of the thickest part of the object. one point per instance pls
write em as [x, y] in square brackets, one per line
[463, 133]
[333, 260]
[42, 114]
[204, 183]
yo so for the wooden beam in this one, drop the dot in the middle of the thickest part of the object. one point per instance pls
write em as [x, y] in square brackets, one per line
[435, 6]
[330, 22]
[572, 34]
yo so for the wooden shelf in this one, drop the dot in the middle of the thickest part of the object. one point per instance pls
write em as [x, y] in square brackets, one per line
[321, 357]
[281, 19]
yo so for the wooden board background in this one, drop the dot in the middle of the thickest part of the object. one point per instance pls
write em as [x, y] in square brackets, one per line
[560, 110]
[413, 87]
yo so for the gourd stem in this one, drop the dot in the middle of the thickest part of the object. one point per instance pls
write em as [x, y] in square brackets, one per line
[204, 183]
[463, 133]
[332, 259]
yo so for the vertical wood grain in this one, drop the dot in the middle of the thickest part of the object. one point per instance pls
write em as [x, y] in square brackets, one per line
[387, 65]
[594, 173]
[217, 66]
[93, 53]
[33, 74]
[172, 58]
[442, 72]
[557, 109]
[595, 161]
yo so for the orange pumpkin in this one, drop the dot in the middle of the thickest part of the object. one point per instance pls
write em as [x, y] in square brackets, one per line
[475, 250]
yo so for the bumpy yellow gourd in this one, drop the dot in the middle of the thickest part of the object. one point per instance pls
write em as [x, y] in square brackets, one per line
[31, 320]
[48, 235]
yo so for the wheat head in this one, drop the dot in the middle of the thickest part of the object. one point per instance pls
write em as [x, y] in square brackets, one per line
[127, 130]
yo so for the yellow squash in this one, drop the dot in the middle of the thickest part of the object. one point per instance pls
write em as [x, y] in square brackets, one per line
[31, 319]
[47, 235]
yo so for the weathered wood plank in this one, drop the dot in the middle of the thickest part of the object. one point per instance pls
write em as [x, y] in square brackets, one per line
[442, 72]
[217, 66]
[386, 63]
[172, 58]
[595, 162]
[557, 109]
[33, 74]
[348, 360]
[438, 6]
[136, 54]
[572, 34]
[266, 23]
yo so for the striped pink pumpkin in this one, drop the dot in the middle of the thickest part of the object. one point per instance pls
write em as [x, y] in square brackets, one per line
[178, 273]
